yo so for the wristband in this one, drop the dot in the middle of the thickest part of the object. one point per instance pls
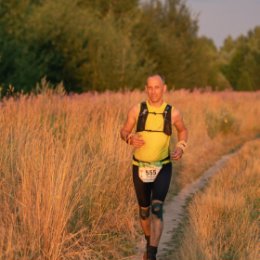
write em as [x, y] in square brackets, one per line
[128, 138]
[182, 144]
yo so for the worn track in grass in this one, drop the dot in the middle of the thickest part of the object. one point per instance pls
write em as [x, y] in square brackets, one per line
[175, 210]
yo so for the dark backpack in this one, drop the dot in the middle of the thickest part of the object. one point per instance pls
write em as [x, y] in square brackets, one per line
[167, 129]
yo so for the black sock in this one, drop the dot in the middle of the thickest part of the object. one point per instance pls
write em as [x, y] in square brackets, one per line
[152, 251]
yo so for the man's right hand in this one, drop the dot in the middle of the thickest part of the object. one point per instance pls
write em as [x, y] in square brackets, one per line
[136, 140]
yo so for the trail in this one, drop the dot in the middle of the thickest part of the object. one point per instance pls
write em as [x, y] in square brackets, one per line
[174, 210]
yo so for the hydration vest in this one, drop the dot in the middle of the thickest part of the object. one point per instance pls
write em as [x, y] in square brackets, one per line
[143, 114]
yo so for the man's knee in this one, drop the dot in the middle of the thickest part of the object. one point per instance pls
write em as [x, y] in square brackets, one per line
[144, 213]
[157, 209]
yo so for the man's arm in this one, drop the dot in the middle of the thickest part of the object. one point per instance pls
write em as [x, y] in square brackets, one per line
[126, 131]
[129, 124]
[182, 134]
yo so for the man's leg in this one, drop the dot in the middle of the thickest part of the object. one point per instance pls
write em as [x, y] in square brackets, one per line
[159, 192]
[145, 221]
[156, 229]
[143, 193]
[156, 222]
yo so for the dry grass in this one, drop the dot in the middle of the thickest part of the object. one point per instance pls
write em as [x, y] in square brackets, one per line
[224, 220]
[65, 183]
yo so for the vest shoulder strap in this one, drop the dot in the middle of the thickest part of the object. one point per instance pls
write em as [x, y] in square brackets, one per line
[167, 129]
[143, 114]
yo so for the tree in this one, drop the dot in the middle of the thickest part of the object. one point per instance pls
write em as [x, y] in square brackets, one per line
[242, 68]
[68, 42]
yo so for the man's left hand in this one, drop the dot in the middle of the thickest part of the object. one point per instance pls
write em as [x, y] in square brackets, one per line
[177, 154]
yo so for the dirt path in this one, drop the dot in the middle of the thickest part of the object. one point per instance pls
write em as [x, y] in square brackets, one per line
[174, 210]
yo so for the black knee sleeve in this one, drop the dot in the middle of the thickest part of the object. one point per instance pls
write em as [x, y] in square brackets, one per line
[144, 213]
[157, 210]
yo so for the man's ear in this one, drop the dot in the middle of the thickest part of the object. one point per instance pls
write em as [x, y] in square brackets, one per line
[164, 88]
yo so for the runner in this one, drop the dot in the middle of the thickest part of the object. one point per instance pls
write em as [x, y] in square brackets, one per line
[152, 167]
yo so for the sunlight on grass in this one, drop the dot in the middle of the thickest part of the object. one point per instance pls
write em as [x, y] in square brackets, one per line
[223, 222]
[65, 176]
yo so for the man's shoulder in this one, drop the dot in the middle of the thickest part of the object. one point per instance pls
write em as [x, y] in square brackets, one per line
[134, 110]
[176, 115]
[175, 111]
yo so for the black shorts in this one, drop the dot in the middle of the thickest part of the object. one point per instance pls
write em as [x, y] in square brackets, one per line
[157, 190]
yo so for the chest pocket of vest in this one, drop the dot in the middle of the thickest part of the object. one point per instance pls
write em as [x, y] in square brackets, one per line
[143, 114]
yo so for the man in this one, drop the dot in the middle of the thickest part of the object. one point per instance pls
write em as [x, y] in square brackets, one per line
[152, 167]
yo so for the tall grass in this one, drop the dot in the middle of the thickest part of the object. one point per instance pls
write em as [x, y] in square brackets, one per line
[65, 176]
[224, 220]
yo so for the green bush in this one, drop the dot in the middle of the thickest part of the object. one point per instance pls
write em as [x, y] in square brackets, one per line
[221, 122]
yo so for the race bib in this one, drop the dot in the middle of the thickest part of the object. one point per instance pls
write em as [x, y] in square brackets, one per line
[148, 173]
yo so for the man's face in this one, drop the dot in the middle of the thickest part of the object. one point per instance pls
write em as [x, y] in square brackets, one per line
[155, 89]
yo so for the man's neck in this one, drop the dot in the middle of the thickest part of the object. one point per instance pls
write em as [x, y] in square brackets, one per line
[155, 104]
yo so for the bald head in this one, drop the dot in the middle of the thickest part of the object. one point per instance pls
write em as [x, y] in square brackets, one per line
[156, 77]
[155, 88]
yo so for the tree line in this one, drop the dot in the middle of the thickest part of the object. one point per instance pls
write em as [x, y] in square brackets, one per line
[109, 44]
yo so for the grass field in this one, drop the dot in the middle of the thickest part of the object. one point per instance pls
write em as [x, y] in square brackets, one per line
[224, 219]
[65, 176]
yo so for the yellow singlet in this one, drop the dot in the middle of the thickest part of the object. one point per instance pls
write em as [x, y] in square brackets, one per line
[156, 147]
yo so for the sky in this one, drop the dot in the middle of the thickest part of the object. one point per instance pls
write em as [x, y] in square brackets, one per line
[220, 18]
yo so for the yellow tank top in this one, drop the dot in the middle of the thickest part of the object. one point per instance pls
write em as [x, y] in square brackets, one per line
[156, 147]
